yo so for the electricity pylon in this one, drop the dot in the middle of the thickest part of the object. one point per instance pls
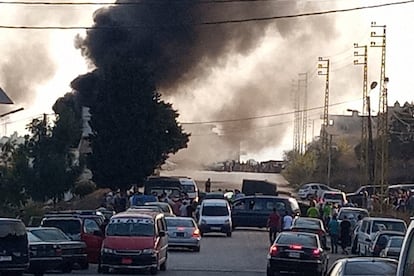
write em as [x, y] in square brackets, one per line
[364, 153]
[324, 64]
[381, 160]
[296, 122]
[303, 85]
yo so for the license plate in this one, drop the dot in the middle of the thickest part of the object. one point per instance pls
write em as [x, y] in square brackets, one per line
[179, 234]
[126, 261]
[5, 258]
[294, 254]
[216, 228]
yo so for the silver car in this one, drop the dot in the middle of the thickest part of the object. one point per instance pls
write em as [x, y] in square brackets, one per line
[183, 232]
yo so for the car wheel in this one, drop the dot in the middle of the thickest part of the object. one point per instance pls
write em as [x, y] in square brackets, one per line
[196, 249]
[228, 234]
[270, 272]
[84, 265]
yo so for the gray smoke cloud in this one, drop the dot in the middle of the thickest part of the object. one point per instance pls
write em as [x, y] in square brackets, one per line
[171, 39]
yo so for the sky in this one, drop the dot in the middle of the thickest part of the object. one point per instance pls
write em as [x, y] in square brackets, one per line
[249, 82]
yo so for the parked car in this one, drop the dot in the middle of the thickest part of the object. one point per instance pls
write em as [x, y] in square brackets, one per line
[309, 190]
[352, 214]
[73, 252]
[371, 225]
[406, 261]
[135, 240]
[44, 256]
[14, 247]
[165, 207]
[380, 241]
[215, 216]
[253, 211]
[183, 232]
[367, 266]
[334, 197]
[297, 252]
[311, 225]
[393, 248]
[80, 229]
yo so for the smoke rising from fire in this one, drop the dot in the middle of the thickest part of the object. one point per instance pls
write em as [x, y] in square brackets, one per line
[189, 59]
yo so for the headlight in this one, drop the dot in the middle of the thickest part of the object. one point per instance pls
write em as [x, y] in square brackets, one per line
[108, 250]
[148, 251]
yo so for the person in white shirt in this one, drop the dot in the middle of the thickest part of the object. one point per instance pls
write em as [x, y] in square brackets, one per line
[287, 221]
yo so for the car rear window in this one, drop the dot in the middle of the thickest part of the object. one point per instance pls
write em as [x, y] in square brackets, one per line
[49, 234]
[396, 242]
[171, 222]
[188, 188]
[72, 228]
[351, 214]
[215, 210]
[333, 196]
[301, 239]
[388, 225]
[12, 229]
[314, 224]
[370, 268]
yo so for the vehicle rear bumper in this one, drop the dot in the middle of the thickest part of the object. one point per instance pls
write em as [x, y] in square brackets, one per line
[42, 264]
[129, 262]
[176, 242]
[207, 228]
[301, 266]
[75, 258]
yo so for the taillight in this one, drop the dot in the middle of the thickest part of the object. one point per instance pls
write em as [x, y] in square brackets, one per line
[316, 252]
[58, 251]
[273, 250]
[295, 247]
[196, 233]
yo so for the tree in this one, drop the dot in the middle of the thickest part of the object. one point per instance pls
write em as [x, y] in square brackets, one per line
[134, 131]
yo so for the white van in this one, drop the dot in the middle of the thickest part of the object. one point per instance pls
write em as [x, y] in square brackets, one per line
[215, 216]
[406, 260]
[189, 186]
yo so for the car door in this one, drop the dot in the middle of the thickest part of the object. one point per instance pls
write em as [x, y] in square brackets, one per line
[162, 244]
[365, 238]
[93, 236]
[240, 213]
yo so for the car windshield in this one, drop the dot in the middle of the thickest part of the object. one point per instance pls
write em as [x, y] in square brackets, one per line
[12, 229]
[307, 223]
[33, 238]
[70, 227]
[188, 188]
[173, 222]
[300, 239]
[333, 196]
[396, 242]
[370, 268]
[352, 214]
[50, 234]
[130, 227]
[215, 210]
[389, 225]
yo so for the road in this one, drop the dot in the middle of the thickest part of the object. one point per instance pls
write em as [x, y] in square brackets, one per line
[243, 254]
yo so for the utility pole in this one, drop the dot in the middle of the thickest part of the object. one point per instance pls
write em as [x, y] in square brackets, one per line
[296, 122]
[381, 160]
[303, 78]
[324, 65]
[364, 159]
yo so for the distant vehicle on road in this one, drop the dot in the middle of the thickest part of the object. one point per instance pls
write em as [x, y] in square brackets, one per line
[297, 252]
[310, 190]
[253, 211]
[215, 216]
[367, 266]
[393, 248]
[258, 187]
[358, 197]
[183, 232]
[334, 197]
[380, 241]
[311, 225]
[352, 214]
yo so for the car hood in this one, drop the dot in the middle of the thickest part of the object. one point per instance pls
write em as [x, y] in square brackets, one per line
[129, 243]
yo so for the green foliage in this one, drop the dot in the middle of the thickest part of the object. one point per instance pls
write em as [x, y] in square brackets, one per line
[84, 188]
[134, 131]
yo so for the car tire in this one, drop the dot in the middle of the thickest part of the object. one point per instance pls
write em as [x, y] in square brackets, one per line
[270, 272]
[228, 234]
[84, 265]
[196, 249]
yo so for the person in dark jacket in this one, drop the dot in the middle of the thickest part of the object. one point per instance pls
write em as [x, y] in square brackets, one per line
[345, 234]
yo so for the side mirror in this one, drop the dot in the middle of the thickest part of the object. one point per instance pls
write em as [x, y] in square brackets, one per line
[162, 234]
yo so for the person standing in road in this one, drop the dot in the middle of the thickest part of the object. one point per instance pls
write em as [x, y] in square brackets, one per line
[333, 229]
[312, 211]
[345, 235]
[287, 221]
[273, 223]
[207, 186]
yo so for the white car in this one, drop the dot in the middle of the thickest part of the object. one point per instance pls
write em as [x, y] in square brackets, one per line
[312, 189]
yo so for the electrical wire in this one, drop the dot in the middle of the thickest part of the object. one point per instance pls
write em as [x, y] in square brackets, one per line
[207, 23]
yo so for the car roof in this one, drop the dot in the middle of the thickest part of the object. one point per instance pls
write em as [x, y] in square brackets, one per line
[265, 196]
[353, 209]
[366, 259]
[385, 232]
[214, 201]
[42, 228]
[144, 213]
[178, 218]
[383, 219]
[299, 233]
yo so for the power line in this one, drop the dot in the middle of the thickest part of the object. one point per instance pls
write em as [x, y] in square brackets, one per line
[219, 22]
[262, 116]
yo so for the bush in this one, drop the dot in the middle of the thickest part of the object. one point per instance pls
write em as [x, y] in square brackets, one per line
[84, 188]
